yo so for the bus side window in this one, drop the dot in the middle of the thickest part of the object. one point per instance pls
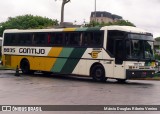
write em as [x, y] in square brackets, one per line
[88, 39]
[52, 37]
[28, 39]
[98, 38]
[40, 39]
[24, 39]
[7, 39]
[75, 39]
[11, 39]
[56, 39]
[14, 38]
[92, 40]
[72, 39]
[59, 39]
[66, 37]
[85, 39]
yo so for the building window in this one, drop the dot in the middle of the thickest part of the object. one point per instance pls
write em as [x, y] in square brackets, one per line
[101, 15]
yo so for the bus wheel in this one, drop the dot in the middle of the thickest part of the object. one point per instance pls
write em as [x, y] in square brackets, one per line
[25, 67]
[98, 73]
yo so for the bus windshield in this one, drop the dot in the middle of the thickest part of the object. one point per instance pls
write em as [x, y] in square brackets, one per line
[139, 47]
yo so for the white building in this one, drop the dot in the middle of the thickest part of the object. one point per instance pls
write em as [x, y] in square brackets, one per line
[103, 16]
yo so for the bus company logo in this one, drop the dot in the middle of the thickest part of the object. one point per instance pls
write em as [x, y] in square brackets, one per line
[6, 108]
[94, 54]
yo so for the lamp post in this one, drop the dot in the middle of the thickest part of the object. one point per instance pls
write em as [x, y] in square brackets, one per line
[62, 9]
[95, 9]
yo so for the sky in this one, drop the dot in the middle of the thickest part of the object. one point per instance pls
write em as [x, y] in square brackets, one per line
[144, 14]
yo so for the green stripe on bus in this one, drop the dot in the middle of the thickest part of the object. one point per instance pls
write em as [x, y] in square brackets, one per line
[62, 59]
[93, 28]
[73, 60]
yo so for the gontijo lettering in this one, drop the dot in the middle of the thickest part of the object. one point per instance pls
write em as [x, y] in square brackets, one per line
[32, 51]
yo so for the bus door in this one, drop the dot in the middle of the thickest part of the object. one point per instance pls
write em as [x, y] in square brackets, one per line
[119, 57]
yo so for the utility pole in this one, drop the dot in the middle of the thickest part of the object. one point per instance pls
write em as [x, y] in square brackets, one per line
[95, 9]
[62, 9]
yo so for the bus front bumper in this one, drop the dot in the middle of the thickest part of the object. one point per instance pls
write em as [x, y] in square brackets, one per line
[135, 74]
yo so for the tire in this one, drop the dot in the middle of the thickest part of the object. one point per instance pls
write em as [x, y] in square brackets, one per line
[25, 67]
[98, 73]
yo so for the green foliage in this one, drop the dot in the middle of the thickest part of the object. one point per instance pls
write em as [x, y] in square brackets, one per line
[157, 57]
[27, 22]
[119, 22]
[157, 39]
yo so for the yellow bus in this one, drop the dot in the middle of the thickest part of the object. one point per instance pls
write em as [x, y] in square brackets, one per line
[118, 52]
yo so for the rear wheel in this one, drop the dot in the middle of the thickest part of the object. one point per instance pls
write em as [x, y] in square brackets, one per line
[98, 73]
[25, 67]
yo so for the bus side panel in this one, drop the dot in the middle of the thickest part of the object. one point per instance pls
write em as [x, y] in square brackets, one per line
[83, 66]
[61, 60]
[87, 60]
[68, 60]
[108, 66]
[36, 63]
[41, 63]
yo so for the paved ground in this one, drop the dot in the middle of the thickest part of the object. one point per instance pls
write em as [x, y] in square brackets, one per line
[39, 89]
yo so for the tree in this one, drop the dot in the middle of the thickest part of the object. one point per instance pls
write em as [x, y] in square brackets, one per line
[157, 39]
[27, 22]
[119, 22]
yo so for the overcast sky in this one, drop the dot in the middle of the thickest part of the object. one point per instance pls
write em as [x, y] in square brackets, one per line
[143, 13]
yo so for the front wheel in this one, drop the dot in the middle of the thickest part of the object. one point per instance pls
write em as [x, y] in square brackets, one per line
[98, 73]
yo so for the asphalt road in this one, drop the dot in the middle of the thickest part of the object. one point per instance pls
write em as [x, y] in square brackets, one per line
[39, 89]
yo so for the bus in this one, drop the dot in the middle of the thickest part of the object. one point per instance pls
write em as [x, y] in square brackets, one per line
[0, 45]
[116, 52]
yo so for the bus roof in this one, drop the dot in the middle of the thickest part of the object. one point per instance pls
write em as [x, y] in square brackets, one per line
[114, 27]
[126, 29]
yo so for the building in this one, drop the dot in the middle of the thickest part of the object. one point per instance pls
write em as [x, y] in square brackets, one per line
[104, 17]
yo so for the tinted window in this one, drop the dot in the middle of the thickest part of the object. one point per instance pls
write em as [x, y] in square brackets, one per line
[72, 39]
[93, 39]
[25, 39]
[10, 39]
[112, 36]
[55, 39]
[7, 39]
[40, 38]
